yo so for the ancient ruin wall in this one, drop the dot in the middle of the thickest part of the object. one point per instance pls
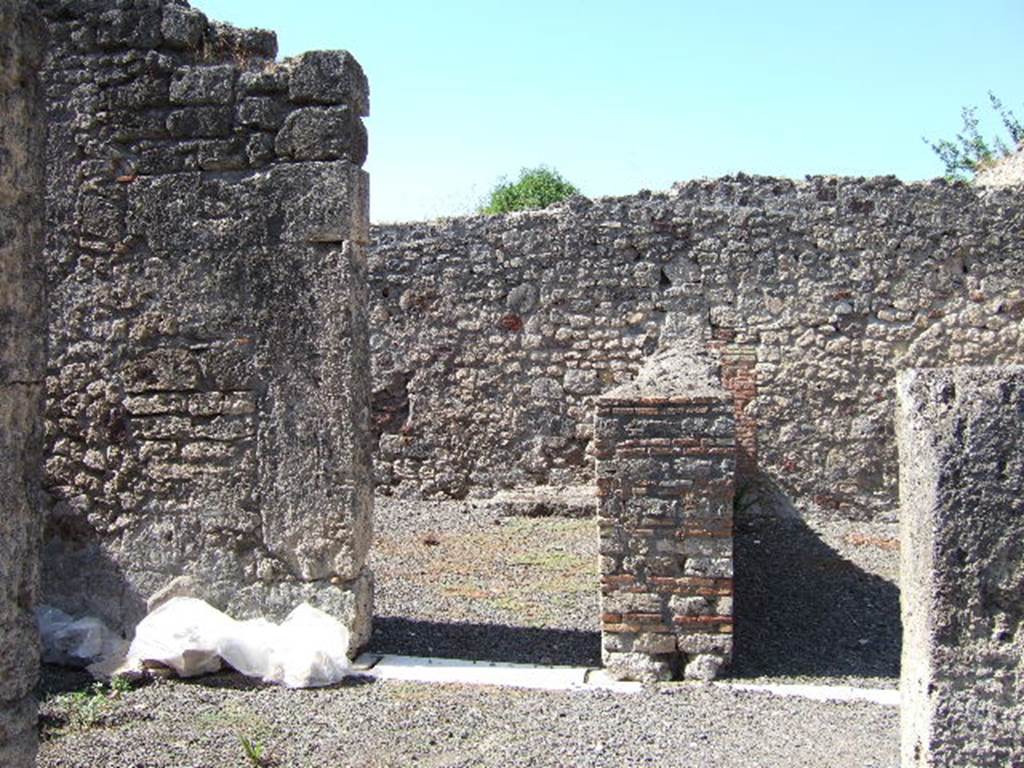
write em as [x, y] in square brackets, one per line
[491, 336]
[22, 370]
[207, 420]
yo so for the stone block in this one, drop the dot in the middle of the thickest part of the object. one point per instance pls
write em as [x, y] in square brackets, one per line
[322, 202]
[703, 666]
[263, 112]
[232, 42]
[329, 77]
[182, 27]
[323, 133]
[18, 737]
[641, 667]
[204, 85]
[960, 434]
[199, 122]
[137, 27]
[272, 79]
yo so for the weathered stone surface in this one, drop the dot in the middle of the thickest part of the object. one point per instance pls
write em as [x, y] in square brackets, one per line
[330, 77]
[182, 27]
[811, 293]
[961, 445]
[322, 133]
[641, 667]
[1005, 172]
[200, 122]
[22, 370]
[204, 85]
[208, 420]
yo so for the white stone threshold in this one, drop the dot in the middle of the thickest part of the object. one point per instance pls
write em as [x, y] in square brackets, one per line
[432, 670]
[888, 697]
[559, 678]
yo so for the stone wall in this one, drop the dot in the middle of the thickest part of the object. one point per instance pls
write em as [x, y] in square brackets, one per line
[1005, 172]
[22, 370]
[492, 336]
[961, 445]
[207, 422]
[666, 461]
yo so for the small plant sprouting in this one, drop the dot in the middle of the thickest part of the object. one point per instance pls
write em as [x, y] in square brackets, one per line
[255, 752]
[90, 707]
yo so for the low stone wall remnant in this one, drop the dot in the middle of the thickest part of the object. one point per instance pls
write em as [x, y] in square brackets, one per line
[22, 372]
[666, 460]
[961, 442]
[207, 427]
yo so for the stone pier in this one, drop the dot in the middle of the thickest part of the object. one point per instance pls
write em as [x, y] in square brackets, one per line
[961, 446]
[22, 370]
[666, 459]
[208, 422]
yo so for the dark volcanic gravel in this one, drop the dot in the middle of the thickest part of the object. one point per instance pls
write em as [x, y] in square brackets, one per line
[199, 725]
[816, 601]
[457, 580]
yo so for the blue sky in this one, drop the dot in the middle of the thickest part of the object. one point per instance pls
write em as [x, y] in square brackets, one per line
[623, 96]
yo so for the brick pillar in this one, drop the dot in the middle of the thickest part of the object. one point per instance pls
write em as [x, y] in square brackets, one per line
[961, 445]
[22, 368]
[666, 459]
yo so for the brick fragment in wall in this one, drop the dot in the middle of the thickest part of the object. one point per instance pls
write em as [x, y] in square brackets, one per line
[823, 305]
[961, 442]
[209, 385]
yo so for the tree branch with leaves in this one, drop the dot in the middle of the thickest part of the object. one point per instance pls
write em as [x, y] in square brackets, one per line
[970, 152]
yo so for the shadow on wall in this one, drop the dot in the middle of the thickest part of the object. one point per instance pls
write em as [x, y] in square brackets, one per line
[804, 609]
[485, 642]
[71, 548]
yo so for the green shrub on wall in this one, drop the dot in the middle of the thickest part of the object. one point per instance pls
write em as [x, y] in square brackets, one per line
[971, 152]
[536, 188]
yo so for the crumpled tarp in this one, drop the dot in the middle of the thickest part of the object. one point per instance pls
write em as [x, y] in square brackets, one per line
[307, 650]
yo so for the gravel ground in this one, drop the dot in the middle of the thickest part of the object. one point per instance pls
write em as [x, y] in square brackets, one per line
[817, 599]
[199, 725]
[817, 603]
[456, 579]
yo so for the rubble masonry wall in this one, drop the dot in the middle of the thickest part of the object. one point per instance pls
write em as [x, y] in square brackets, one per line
[961, 445]
[208, 381]
[492, 336]
[22, 370]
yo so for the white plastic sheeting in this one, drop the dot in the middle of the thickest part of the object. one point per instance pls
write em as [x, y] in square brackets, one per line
[308, 649]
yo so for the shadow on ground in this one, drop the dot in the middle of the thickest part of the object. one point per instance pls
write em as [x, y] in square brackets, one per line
[804, 610]
[55, 680]
[489, 642]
